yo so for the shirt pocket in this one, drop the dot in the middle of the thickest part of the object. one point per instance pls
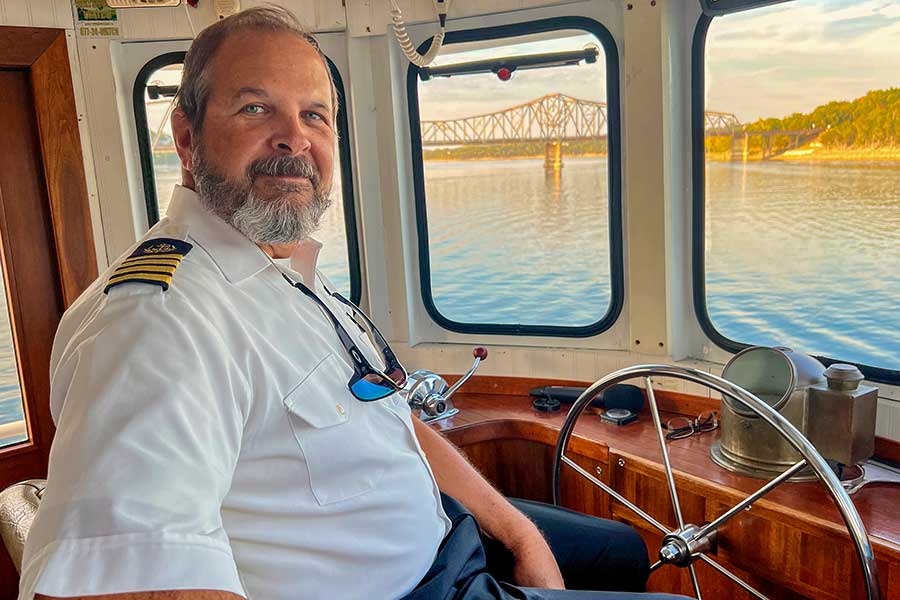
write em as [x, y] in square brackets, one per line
[335, 443]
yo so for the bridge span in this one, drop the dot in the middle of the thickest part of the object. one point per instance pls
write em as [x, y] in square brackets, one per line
[557, 118]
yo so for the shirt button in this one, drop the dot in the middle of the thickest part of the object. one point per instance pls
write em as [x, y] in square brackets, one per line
[340, 409]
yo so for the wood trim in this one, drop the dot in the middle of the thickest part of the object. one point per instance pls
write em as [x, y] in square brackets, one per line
[508, 386]
[54, 104]
[32, 287]
[30, 267]
[47, 242]
[20, 47]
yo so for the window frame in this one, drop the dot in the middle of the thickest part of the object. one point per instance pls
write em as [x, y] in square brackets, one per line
[698, 214]
[151, 202]
[614, 180]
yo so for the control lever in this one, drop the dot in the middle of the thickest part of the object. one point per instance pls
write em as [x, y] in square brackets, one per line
[430, 394]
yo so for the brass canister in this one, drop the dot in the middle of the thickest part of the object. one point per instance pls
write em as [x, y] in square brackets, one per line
[781, 378]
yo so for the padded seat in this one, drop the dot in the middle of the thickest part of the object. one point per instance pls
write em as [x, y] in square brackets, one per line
[18, 505]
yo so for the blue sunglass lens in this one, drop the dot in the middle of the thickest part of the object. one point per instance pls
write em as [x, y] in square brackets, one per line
[368, 391]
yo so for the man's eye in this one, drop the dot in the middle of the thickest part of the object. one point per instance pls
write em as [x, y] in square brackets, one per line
[314, 116]
[254, 109]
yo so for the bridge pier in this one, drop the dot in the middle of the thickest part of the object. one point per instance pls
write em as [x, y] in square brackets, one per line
[553, 155]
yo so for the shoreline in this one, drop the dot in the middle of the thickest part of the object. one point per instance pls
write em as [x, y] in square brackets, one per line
[807, 154]
[890, 154]
[505, 158]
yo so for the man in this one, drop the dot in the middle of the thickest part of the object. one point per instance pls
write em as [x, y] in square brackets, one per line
[222, 432]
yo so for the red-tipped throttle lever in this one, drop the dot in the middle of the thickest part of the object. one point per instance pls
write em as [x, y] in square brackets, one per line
[480, 354]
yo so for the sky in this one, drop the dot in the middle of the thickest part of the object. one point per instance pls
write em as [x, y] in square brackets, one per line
[793, 57]
[767, 62]
[466, 95]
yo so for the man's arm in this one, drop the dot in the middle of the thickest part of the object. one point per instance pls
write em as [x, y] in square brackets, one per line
[169, 595]
[149, 425]
[535, 565]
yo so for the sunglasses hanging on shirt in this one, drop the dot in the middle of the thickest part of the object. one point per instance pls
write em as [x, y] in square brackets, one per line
[367, 383]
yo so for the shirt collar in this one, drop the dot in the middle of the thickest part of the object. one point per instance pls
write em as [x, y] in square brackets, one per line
[236, 256]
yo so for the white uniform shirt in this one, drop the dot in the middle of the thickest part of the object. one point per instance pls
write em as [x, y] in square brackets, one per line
[207, 440]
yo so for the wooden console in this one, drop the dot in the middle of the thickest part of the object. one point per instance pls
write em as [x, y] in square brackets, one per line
[791, 544]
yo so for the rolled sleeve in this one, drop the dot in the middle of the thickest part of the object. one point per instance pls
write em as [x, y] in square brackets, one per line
[150, 411]
[131, 563]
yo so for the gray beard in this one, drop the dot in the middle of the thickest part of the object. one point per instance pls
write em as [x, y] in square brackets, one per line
[280, 219]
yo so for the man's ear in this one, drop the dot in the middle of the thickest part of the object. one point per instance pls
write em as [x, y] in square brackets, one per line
[183, 134]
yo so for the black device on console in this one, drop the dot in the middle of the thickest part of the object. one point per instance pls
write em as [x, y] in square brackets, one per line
[622, 401]
[621, 395]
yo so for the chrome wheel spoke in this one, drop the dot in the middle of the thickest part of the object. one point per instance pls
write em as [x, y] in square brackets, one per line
[695, 582]
[670, 478]
[656, 565]
[749, 500]
[614, 494]
[746, 586]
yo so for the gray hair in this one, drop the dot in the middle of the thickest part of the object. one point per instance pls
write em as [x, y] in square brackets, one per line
[193, 93]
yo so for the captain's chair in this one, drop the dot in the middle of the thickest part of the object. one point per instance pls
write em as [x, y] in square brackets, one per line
[18, 505]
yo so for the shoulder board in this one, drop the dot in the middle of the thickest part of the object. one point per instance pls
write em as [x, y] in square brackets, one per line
[153, 262]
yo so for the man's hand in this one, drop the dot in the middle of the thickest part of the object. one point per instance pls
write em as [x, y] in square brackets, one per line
[535, 565]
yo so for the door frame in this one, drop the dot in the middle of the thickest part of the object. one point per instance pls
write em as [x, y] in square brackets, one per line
[44, 54]
[47, 239]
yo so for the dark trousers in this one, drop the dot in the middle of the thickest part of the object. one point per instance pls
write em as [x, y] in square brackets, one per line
[593, 554]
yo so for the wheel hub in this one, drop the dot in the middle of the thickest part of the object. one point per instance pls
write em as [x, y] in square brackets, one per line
[680, 547]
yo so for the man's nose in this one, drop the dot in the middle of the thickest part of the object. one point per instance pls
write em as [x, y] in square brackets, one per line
[290, 136]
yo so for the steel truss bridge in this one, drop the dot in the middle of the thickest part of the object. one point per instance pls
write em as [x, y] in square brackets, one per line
[555, 118]
[550, 118]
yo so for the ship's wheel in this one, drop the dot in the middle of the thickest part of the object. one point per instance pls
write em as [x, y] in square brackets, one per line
[689, 543]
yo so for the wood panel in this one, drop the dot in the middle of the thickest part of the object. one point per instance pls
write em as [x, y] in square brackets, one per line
[60, 143]
[522, 468]
[21, 46]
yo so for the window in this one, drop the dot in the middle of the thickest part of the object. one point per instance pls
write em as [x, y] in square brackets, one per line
[515, 141]
[797, 180]
[13, 428]
[154, 90]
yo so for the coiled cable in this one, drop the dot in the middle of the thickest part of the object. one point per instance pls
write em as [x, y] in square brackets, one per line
[420, 60]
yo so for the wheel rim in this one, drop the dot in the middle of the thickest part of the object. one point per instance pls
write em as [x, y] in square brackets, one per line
[679, 541]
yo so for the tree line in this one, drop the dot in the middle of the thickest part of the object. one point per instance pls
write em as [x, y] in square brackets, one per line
[871, 121]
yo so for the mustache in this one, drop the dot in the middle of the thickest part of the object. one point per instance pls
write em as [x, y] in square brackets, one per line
[285, 166]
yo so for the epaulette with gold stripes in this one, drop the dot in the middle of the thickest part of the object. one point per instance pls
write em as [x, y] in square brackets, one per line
[153, 262]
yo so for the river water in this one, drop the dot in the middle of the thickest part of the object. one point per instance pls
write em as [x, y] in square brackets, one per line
[797, 254]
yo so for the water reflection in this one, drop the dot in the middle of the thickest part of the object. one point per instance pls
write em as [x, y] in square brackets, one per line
[553, 183]
[12, 411]
[806, 255]
[512, 243]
